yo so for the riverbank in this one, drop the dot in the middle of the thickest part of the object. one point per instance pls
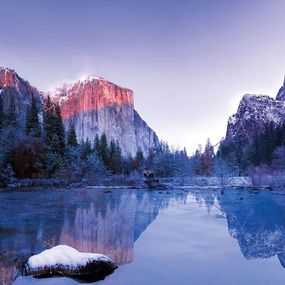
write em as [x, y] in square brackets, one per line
[136, 182]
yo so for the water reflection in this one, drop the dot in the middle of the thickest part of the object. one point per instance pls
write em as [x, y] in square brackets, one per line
[256, 219]
[110, 223]
[88, 220]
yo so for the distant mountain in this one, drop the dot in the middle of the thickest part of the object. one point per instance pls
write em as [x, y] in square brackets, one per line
[254, 112]
[93, 105]
[17, 93]
[281, 93]
[255, 130]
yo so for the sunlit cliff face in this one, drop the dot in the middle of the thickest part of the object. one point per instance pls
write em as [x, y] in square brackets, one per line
[90, 94]
[8, 78]
[96, 106]
[19, 92]
[93, 105]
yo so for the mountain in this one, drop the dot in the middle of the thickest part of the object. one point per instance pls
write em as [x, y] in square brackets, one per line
[17, 93]
[95, 106]
[255, 131]
[254, 113]
[281, 93]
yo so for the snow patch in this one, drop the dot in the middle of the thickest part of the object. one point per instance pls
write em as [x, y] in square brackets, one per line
[67, 261]
[65, 255]
[257, 110]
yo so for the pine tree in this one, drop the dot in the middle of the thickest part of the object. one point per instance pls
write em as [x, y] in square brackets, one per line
[71, 136]
[139, 160]
[32, 120]
[54, 134]
[115, 157]
[12, 116]
[204, 161]
[96, 146]
[2, 116]
[59, 129]
[85, 149]
[104, 150]
[94, 165]
[53, 127]
[209, 150]
[48, 120]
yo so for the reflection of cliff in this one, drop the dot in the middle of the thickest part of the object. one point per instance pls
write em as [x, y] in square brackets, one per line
[27, 225]
[7, 274]
[86, 220]
[149, 205]
[111, 229]
[257, 221]
[109, 232]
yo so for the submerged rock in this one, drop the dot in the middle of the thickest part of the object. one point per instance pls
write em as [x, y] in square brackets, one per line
[63, 260]
[151, 182]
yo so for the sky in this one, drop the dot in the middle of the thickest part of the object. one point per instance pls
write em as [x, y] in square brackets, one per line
[188, 62]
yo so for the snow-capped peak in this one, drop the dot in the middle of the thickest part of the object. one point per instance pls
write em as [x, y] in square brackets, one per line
[87, 78]
[254, 112]
[59, 89]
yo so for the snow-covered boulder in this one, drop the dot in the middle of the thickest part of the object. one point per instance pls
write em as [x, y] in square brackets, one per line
[64, 260]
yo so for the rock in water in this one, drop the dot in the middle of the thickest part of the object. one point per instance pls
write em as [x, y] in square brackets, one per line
[151, 182]
[63, 260]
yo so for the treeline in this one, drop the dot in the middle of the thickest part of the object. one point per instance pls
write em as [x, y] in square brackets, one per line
[206, 163]
[40, 148]
[266, 149]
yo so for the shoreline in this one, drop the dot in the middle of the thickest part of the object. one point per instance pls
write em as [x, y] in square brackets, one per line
[169, 184]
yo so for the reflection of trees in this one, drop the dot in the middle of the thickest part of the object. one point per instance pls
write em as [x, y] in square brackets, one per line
[88, 220]
[106, 227]
[257, 221]
[28, 224]
[112, 223]
[281, 257]
[206, 197]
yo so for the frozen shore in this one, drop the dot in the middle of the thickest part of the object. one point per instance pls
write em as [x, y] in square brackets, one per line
[126, 182]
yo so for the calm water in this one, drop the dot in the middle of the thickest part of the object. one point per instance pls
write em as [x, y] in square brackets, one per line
[175, 237]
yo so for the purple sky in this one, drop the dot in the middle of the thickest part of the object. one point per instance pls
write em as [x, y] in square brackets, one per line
[188, 62]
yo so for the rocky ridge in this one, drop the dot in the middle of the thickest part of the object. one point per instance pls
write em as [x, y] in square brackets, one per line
[254, 112]
[17, 93]
[93, 104]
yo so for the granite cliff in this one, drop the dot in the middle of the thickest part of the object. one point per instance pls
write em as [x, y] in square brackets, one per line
[95, 106]
[17, 93]
[254, 113]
